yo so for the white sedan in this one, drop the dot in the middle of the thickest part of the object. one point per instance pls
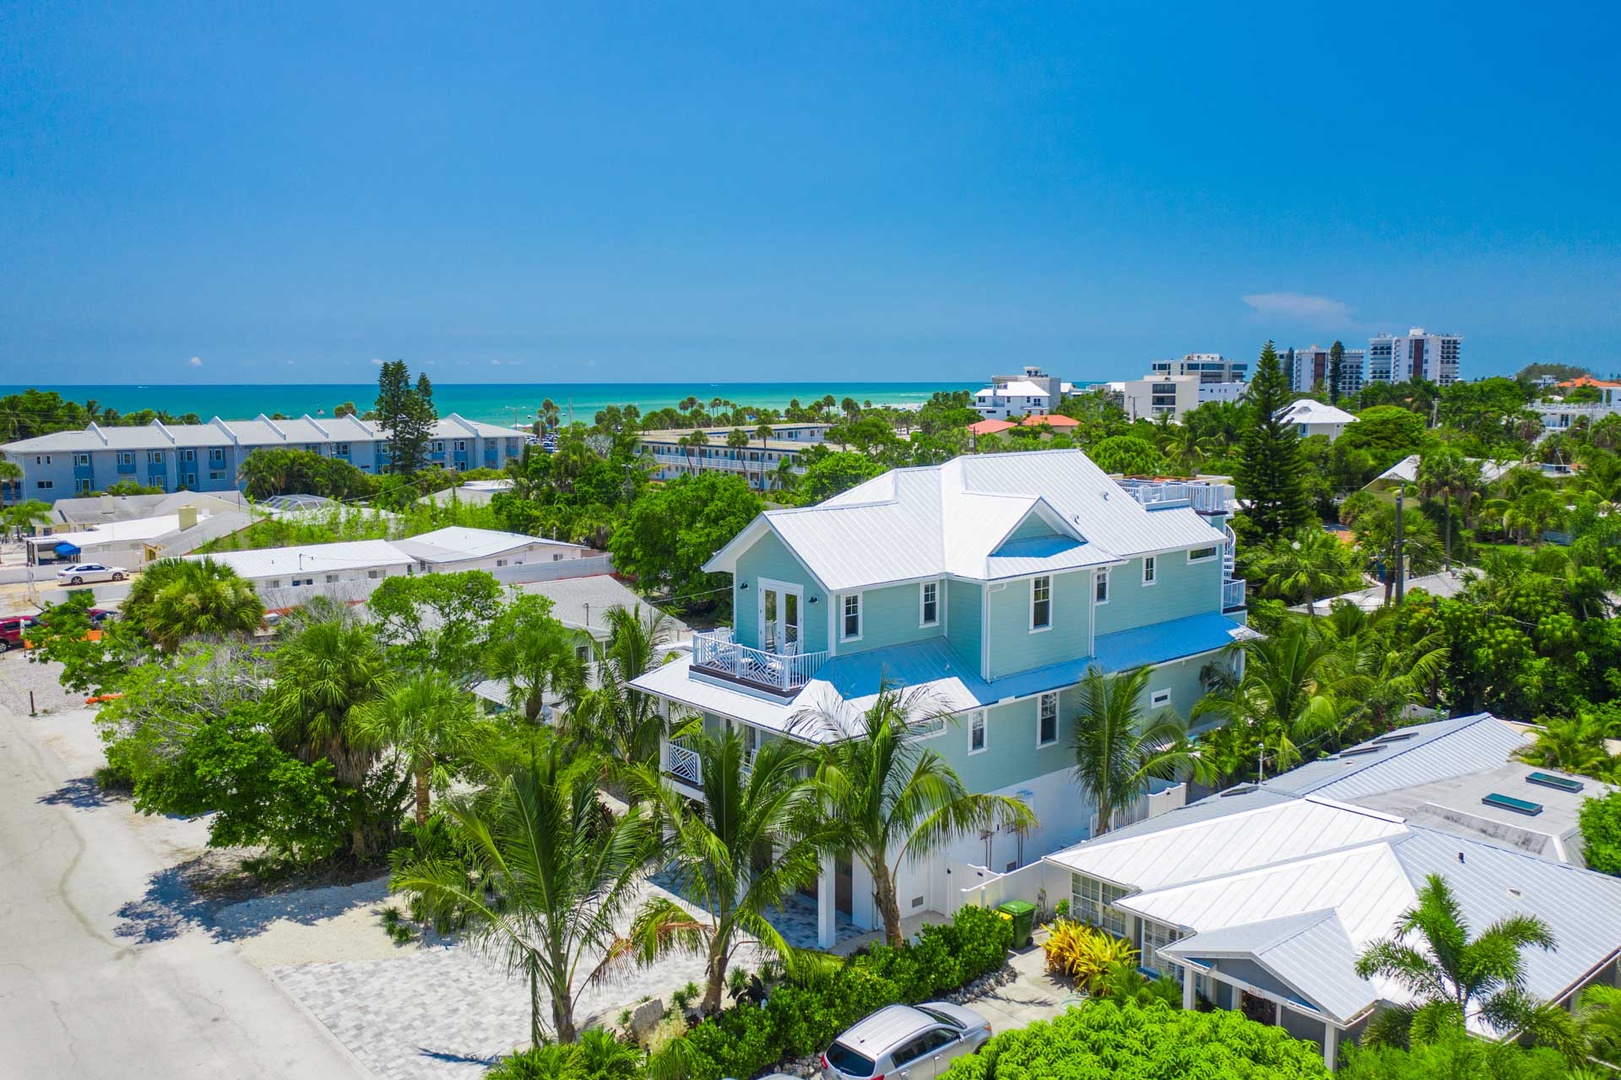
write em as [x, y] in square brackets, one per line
[79, 573]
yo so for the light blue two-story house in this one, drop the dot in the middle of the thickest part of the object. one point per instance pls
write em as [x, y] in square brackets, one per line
[993, 581]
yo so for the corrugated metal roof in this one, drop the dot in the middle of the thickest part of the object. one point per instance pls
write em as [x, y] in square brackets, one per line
[456, 542]
[953, 519]
[1408, 757]
[1310, 953]
[260, 431]
[1250, 836]
[311, 559]
[1582, 908]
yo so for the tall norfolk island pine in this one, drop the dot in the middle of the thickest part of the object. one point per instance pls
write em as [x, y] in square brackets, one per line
[1269, 469]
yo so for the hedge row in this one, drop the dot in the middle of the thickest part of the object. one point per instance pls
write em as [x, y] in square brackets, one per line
[803, 1018]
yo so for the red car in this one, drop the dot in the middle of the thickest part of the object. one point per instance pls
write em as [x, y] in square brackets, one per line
[12, 630]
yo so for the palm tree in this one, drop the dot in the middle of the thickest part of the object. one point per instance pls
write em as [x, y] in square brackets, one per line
[1120, 747]
[10, 473]
[329, 665]
[1287, 693]
[1598, 1016]
[1446, 472]
[763, 433]
[1570, 745]
[548, 872]
[1309, 564]
[737, 440]
[740, 852]
[1376, 535]
[535, 655]
[176, 599]
[26, 514]
[429, 719]
[1374, 671]
[620, 719]
[1453, 979]
[892, 800]
[691, 443]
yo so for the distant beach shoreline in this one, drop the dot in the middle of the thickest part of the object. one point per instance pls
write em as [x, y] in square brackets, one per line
[494, 403]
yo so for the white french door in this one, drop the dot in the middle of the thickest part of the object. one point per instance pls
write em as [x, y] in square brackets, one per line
[781, 608]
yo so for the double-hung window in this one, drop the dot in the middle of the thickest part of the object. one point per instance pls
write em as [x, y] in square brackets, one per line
[1047, 719]
[1092, 902]
[1100, 586]
[978, 735]
[1041, 603]
[1150, 568]
[852, 616]
[929, 604]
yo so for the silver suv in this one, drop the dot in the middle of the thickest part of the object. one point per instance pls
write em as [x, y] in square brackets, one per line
[906, 1042]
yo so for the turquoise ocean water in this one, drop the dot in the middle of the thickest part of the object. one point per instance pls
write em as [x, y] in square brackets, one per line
[504, 403]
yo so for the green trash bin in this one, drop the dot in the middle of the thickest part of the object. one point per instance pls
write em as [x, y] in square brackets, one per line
[1023, 914]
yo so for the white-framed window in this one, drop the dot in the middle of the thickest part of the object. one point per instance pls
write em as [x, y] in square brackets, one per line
[1157, 936]
[1047, 719]
[44, 485]
[188, 454]
[1100, 586]
[81, 459]
[332, 579]
[216, 474]
[557, 556]
[851, 629]
[374, 574]
[273, 583]
[978, 732]
[1092, 902]
[928, 728]
[1159, 699]
[929, 604]
[1150, 568]
[126, 457]
[342, 450]
[1041, 603]
[461, 445]
[154, 457]
[216, 453]
[81, 486]
[439, 446]
[1202, 554]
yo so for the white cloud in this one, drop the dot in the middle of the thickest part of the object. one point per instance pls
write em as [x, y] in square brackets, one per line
[1300, 307]
[377, 361]
[196, 361]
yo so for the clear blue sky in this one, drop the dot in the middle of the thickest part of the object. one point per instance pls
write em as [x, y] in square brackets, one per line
[658, 191]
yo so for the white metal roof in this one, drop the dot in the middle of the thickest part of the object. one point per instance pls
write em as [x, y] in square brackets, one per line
[1310, 952]
[134, 531]
[260, 431]
[1407, 757]
[1016, 388]
[1250, 874]
[457, 542]
[1234, 842]
[263, 563]
[1406, 470]
[960, 519]
[1307, 411]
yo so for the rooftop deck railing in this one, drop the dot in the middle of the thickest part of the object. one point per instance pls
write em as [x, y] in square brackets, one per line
[716, 651]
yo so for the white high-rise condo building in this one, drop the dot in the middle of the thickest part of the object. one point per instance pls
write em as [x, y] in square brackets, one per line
[1414, 355]
[1210, 367]
[1313, 364]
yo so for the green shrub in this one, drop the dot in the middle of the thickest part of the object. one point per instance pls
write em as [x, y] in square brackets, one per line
[803, 1016]
[1138, 1043]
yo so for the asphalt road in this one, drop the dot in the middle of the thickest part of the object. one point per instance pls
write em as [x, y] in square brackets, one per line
[82, 998]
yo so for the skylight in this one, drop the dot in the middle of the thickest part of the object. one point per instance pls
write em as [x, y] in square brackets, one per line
[1558, 783]
[1395, 736]
[1509, 802]
[1358, 751]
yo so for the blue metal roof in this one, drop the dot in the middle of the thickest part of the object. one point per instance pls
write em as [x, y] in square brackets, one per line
[1162, 642]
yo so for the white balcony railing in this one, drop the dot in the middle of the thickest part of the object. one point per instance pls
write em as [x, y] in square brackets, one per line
[685, 764]
[1206, 498]
[1232, 595]
[716, 651]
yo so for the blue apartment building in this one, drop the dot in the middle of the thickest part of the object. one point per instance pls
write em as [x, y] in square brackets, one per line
[207, 457]
[993, 582]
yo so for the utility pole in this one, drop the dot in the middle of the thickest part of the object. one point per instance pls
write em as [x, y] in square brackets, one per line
[1401, 558]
